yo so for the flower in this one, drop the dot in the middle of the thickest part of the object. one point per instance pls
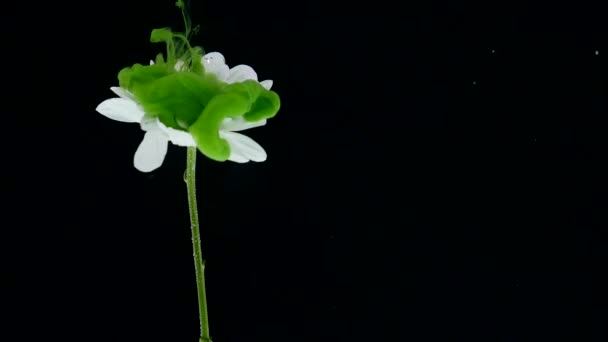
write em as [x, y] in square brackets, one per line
[152, 150]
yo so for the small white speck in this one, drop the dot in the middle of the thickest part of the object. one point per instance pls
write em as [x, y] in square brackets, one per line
[493, 51]
[597, 52]
[474, 82]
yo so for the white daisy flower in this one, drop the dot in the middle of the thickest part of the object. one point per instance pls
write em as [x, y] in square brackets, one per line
[152, 150]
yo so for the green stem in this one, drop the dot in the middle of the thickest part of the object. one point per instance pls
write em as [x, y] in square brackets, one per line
[199, 263]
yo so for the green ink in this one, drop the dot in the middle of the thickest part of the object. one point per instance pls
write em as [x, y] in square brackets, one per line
[177, 90]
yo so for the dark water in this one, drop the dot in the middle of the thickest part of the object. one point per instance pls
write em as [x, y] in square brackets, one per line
[435, 173]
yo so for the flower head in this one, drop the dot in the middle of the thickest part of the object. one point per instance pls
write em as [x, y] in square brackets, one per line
[128, 107]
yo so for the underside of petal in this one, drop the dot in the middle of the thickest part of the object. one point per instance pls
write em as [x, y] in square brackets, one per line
[150, 124]
[120, 109]
[240, 124]
[177, 137]
[151, 151]
[214, 63]
[123, 93]
[243, 148]
[241, 73]
[267, 84]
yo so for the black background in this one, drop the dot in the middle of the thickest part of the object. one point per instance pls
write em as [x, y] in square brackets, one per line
[436, 173]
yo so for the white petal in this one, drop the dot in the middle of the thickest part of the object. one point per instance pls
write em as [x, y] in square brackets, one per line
[266, 84]
[151, 62]
[123, 93]
[178, 65]
[239, 124]
[180, 138]
[151, 151]
[243, 148]
[214, 58]
[177, 137]
[119, 109]
[241, 73]
[150, 124]
[214, 63]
